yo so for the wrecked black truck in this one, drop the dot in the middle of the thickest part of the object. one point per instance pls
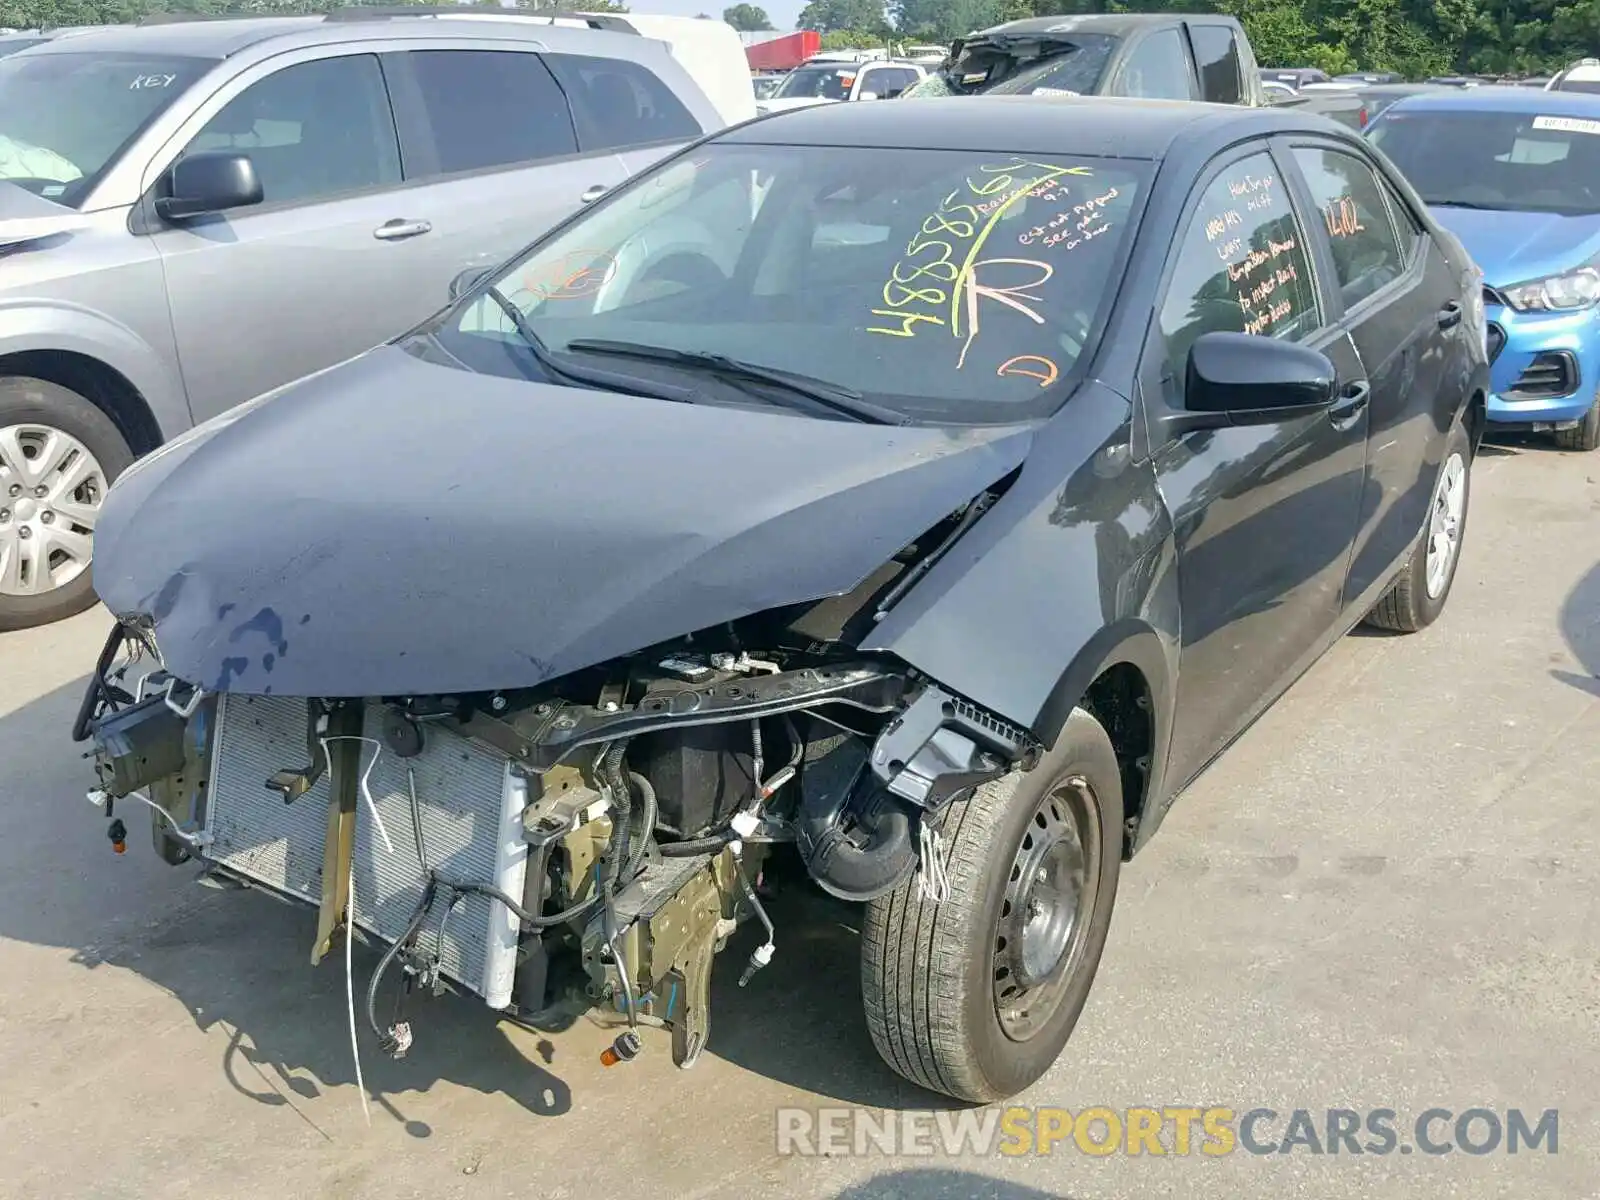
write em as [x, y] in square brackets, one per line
[690, 544]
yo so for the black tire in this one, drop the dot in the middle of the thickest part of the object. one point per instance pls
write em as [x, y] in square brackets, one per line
[1407, 606]
[1585, 435]
[929, 971]
[33, 401]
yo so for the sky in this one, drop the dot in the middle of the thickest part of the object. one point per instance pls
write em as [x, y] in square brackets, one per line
[783, 13]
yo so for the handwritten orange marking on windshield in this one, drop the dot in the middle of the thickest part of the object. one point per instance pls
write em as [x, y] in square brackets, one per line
[570, 276]
[1049, 374]
[1342, 218]
[1011, 297]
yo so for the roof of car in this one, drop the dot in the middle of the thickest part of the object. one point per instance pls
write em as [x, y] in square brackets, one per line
[1491, 97]
[223, 38]
[1120, 24]
[1093, 126]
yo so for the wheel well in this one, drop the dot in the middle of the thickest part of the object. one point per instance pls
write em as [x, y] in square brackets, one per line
[1477, 420]
[107, 390]
[1120, 700]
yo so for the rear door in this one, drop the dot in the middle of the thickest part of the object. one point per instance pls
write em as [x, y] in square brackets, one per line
[265, 294]
[1396, 288]
[1262, 514]
[1157, 67]
[493, 156]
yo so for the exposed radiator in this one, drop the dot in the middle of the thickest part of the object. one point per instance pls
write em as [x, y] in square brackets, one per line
[471, 806]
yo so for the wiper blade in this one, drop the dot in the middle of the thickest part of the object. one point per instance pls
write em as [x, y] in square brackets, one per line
[1467, 204]
[604, 379]
[829, 395]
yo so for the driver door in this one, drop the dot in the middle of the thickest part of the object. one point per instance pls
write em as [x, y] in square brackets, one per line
[1263, 514]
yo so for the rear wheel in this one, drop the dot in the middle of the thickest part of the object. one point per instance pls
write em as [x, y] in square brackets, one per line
[1585, 435]
[58, 456]
[976, 996]
[1419, 592]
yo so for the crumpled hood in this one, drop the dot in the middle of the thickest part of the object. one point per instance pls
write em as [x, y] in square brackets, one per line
[25, 217]
[1518, 247]
[393, 527]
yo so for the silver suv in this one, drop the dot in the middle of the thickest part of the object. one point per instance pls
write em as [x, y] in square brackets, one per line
[194, 213]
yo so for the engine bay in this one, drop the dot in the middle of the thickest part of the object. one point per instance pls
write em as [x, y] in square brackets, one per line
[593, 841]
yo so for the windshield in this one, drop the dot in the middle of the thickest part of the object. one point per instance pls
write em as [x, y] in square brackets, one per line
[1014, 67]
[948, 286]
[831, 82]
[65, 117]
[1520, 162]
[1591, 86]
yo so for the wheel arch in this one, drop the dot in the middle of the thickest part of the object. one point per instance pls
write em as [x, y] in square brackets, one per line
[1124, 677]
[102, 360]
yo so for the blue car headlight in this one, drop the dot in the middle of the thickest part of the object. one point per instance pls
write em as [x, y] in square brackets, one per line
[1556, 293]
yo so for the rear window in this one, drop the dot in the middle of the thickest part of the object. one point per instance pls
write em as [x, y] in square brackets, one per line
[1055, 65]
[617, 103]
[492, 108]
[1217, 55]
[1522, 162]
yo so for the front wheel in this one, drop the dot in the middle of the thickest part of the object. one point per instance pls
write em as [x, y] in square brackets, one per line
[1585, 435]
[1418, 594]
[976, 996]
[58, 456]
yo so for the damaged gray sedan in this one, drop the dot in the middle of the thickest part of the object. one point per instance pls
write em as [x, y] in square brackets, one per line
[918, 494]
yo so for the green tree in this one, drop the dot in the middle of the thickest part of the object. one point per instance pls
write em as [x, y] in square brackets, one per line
[747, 18]
[827, 16]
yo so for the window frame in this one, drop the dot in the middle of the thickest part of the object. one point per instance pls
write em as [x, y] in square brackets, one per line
[1241, 93]
[1153, 353]
[143, 220]
[418, 143]
[1120, 77]
[579, 121]
[1410, 270]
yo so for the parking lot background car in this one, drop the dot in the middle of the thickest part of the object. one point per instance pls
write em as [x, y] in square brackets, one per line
[1582, 76]
[1166, 56]
[825, 80]
[1227, 409]
[194, 213]
[1513, 172]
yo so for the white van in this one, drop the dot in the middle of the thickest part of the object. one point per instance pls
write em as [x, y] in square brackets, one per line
[708, 49]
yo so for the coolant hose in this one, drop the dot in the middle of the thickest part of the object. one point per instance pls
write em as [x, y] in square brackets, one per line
[841, 867]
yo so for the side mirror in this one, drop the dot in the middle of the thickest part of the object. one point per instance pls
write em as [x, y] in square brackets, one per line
[1249, 379]
[866, 95]
[210, 183]
[467, 280]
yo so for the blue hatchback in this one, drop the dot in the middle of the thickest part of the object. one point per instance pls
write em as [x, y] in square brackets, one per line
[1515, 174]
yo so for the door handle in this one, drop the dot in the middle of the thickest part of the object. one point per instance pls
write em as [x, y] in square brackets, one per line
[1450, 315]
[399, 229]
[593, 193]
[1350, 404]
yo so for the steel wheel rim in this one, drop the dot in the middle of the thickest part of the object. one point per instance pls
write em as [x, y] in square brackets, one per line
[1044, 920]
[51, 490]
[1444, 524]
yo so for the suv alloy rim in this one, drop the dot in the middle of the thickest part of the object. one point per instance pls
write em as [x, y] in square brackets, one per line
[51, 489]
[1444, 523]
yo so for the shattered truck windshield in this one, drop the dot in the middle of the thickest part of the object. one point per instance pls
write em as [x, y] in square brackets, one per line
[1051, 64]
[940, 285]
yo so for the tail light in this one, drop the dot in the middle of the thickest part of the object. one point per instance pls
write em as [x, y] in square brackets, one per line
[1363, 116]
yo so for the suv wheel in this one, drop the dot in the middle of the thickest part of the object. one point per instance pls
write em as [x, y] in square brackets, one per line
[58, 456]
[976, 996]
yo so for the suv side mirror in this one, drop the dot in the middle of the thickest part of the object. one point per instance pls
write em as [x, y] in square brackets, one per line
[1249, 379]
[467, 280]
[210, 183]
[866, 95]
